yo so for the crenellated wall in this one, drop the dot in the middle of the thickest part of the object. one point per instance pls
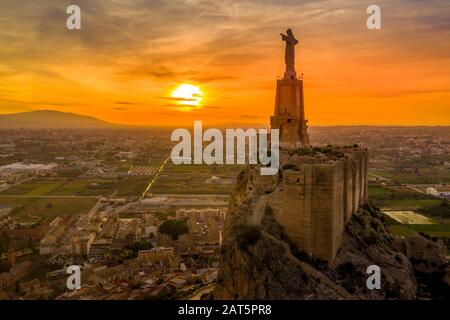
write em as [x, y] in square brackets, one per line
[318, 196]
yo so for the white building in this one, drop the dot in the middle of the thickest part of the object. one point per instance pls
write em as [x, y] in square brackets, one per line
[439, 191]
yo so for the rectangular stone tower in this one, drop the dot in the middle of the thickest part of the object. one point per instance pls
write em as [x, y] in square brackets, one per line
[318, 195]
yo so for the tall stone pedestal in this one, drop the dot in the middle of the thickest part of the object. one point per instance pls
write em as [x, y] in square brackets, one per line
[289, 115]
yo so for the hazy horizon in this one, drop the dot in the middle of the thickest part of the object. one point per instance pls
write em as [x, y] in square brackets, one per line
[211, 124]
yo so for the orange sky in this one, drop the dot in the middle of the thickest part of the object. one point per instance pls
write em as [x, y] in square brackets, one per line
[130, 55]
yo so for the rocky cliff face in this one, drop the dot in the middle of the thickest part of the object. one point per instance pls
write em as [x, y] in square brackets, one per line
[260, 262]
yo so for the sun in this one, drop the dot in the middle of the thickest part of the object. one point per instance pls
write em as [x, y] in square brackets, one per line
[187, 95]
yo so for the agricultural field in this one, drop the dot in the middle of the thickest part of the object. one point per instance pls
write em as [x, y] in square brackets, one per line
[196, 179]
[400, 198]
[427, 175]
[76, 187]
[409, 217]
[401, 230]
[128, 186]
[411, 203]
[380, 173]
[377, 189]
[436, 230]
[142, 170]
[14, 201]
[402, 189]
[38, 209]
[132, 186]
[34, 188]
[412, 212]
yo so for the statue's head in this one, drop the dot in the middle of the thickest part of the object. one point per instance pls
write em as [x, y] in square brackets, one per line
[289, 31]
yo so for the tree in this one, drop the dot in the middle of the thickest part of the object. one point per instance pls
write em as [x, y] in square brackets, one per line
[4, 242]
[139, 246]
[174, 228]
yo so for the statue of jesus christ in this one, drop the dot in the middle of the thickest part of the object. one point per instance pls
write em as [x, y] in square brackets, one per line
[289, 55]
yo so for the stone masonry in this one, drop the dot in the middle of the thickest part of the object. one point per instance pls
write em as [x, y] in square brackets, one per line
[318, 195]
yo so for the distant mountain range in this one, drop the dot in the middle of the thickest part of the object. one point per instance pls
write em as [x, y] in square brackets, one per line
[50, 119]
[41, 119]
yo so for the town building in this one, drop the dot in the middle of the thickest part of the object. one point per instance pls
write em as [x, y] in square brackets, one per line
[201, 213]
[155, 254]
[439, 191]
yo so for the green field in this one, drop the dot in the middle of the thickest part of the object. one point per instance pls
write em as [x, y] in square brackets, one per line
[424, 176]
[38, 209]
[183, 179]
[432, 227]
[87, 187]
[376, 189]
[380, 173]
[132, 186]
[129, 186]
[34, 188]
[192, 179]
[14, 202]
[409, 217]
[73, 187]
[411, 203]
[401, 230]
[438, 230]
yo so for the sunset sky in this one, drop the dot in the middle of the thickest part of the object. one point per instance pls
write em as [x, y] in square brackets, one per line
[130, 56]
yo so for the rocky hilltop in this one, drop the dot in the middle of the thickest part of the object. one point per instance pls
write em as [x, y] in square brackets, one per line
[259, 260]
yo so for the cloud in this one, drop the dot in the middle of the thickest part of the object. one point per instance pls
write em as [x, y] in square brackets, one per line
[179, 99]
[126, 102]
[250, 116]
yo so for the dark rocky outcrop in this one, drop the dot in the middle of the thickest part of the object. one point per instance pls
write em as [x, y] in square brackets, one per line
[260, 262]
